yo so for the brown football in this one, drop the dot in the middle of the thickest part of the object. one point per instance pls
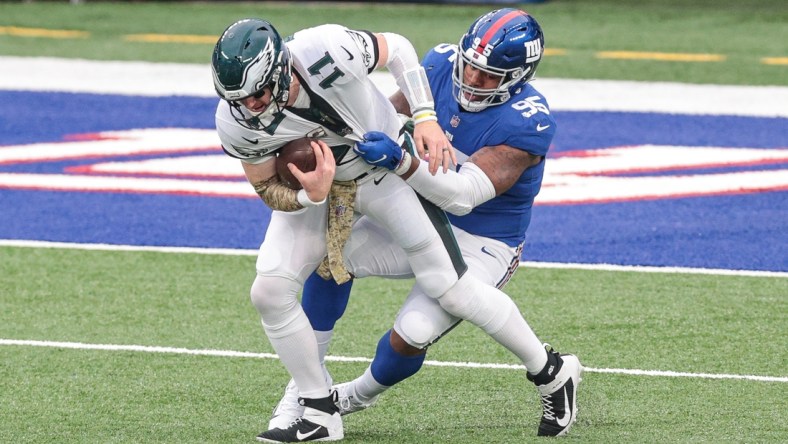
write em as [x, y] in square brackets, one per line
[298, 152]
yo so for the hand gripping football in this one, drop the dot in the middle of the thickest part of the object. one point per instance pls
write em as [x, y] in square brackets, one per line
[298, 152]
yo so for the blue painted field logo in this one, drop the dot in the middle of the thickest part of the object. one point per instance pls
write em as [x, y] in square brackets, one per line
[190, 161]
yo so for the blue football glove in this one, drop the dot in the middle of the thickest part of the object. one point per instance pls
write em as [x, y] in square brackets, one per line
[377, 149]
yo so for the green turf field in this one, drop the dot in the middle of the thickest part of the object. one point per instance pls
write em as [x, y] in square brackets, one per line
[619, 323]
[745, 37]
[615, 321]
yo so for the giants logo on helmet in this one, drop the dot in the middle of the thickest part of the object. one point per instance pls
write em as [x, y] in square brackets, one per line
[533, 51]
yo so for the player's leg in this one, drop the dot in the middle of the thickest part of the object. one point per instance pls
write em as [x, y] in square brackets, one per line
[476, 297]
[394, 207]
[420, 322]
[419, 228]
[369, 251]
[293, 247]
[556, 376]
[324, 302]
[400, 352]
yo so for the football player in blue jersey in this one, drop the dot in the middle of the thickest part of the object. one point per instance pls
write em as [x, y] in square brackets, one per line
[502, 129]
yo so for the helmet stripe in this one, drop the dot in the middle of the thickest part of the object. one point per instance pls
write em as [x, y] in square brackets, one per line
[495, 27]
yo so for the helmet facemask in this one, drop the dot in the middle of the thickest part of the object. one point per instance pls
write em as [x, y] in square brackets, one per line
[506, 43]
[484, 97]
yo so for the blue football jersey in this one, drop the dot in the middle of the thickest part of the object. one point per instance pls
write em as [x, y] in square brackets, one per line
[523, 122]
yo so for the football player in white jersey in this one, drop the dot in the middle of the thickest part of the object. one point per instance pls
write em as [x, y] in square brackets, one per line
[317, 84]
[502, 128]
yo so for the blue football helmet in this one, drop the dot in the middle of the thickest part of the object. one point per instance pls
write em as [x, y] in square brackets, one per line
[249, 56]
[507, 43]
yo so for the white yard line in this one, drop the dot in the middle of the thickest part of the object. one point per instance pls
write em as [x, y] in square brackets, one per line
[237, 354]
[242, 252]
[172, 79]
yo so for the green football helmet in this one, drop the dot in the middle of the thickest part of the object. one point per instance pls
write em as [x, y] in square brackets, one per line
[249, 56]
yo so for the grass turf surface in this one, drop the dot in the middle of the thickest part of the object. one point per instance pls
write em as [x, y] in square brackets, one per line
[627, 320]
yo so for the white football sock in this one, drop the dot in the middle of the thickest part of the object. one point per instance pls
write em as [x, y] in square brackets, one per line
[365, 387]
[298, 352]
[323, 343]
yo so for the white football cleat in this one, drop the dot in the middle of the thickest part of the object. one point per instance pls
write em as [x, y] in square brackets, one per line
[347, 401]
[287, 410]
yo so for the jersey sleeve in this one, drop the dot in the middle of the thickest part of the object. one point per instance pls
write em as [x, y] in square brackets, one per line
[528, 124]
[367, 46]
[251, 150]
[438, 64]
[531, 140]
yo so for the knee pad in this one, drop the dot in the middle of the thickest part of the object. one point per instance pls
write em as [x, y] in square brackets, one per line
[275, 298]
[416, 328]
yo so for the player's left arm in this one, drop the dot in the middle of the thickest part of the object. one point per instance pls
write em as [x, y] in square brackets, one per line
[398, 55]
[503, 165]
[489, 172]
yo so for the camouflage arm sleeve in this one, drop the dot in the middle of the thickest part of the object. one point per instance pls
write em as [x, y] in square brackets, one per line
[277, 196]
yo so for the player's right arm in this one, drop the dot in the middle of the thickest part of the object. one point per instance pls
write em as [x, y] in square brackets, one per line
[398, 55]
[266, 184]
[316, 184]
[258, 159]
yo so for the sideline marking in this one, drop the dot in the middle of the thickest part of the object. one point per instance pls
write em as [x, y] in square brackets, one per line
[241, 252]
[17, 31]
[171, 38]
[775, 60]
[660, 56]
[237, 354]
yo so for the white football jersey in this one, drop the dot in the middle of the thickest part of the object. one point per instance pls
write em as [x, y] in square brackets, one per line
[332, 64]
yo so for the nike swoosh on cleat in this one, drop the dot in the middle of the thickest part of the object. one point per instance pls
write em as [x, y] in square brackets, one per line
[303, 436]
[539, 127]
[348, 53]
[564, 420]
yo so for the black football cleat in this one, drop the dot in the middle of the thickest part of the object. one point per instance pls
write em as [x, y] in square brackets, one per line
[321, 422]
[557, 386]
